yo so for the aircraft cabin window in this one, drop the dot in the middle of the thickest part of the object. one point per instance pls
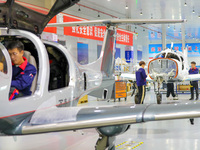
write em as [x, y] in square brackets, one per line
[3, 64]
[162, 55]
[59, 68]
[172, 56]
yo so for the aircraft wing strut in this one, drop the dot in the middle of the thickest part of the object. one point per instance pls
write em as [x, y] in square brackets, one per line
[116, 22]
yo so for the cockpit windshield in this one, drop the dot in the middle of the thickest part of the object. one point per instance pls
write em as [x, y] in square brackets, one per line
[3, 64]
[162, 55]
[172, 56]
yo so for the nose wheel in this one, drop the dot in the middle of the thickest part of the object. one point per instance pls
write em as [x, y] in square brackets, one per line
[158, 94]
[159, 98]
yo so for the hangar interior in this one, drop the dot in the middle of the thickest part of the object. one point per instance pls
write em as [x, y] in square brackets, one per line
[134, 43]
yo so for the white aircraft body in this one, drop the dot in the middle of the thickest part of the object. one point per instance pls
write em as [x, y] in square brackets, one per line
[53, 108]
[168, 66]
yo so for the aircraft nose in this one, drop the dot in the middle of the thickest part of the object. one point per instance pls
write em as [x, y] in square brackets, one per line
[158, 67]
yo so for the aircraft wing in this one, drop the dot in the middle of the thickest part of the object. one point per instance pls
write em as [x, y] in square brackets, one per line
[132, 77]
[61, 119]
[192, 77]
[116, 22]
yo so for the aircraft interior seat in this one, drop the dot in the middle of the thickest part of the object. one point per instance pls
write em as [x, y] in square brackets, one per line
[32, 61]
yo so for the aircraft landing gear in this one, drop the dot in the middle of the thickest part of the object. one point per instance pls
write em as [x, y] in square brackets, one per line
[158, 94]
[159, 98]
[107, 136]
[105, 142]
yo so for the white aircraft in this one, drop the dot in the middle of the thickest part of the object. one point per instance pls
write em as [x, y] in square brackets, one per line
[169, 66]
[49, 108]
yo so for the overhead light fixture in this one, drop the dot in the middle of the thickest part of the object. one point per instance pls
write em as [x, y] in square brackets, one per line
[141, 12]
[193, 11]
[109, 0]
[79, 8]
[98, 15]
[185, 4]
[126, 7]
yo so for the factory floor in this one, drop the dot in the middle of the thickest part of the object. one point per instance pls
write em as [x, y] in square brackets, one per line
[161, 135]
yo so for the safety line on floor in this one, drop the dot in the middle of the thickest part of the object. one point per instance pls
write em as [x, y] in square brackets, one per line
[129, 145]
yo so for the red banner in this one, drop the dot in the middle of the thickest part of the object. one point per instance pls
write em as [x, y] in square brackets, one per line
[95, 32]
[51, 29]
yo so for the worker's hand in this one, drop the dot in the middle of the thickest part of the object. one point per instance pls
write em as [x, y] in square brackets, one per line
[1, 67]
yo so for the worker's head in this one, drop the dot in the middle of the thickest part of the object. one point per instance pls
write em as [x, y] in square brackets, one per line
[16, 51]
[142, 64]
[193, 64]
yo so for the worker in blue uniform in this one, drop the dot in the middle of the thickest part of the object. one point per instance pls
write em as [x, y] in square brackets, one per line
[23, 72]
[141, 82]
[194, 84]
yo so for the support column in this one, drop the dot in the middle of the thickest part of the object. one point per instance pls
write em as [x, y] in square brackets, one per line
[163, 36]
[183, 35]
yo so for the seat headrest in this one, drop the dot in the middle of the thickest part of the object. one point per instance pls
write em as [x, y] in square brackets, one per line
[27, 54]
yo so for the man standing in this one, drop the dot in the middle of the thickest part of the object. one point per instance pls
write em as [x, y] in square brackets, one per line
[194, 84]
[141, 82]
[170, 90]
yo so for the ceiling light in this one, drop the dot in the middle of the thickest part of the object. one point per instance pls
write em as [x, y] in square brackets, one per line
[185, 4]
[109, 0]
[193, 11]
[126, 7]
[141, 12]
[79, 9]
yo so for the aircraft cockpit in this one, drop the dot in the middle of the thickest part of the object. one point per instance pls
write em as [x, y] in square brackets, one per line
[58, 63]
[172, 56]
[161, 55]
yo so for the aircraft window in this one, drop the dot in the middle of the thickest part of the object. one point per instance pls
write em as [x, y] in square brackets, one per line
[3, 64]
[45, 6]
[173, 56]
[59, 68]
[162, 55]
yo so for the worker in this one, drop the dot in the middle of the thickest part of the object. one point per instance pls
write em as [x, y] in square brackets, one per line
[170, 90]
[141, 82]
[23, 72]
[194, 84]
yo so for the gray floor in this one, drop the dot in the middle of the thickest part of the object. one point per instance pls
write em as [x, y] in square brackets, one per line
[162, 135]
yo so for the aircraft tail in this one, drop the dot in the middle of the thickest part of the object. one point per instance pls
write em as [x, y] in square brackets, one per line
[105, 65]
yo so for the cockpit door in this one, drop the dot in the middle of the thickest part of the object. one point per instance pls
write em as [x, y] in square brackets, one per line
[31, 15]
[5, 72]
